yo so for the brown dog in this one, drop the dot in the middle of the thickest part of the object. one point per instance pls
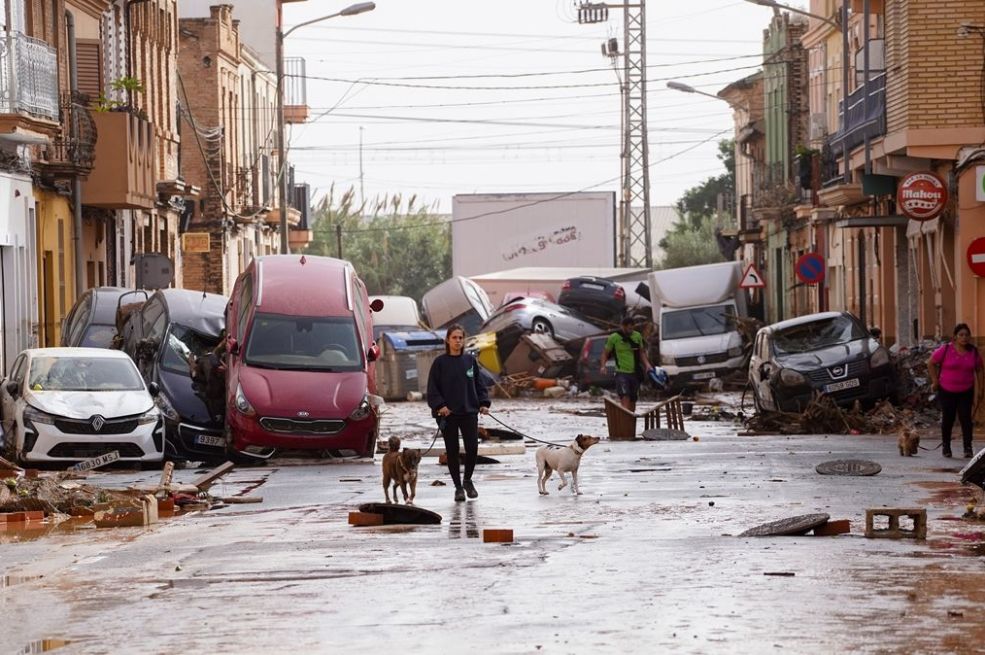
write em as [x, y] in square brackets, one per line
[908, 441]
[400, 468]
[563, 460]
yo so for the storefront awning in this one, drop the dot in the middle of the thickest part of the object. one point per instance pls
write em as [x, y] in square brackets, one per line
[873, 221]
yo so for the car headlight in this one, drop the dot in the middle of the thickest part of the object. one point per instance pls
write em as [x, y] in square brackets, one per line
[37, 416]
[791, 377]
[879, 358]
[166, 407]
[667, 360]
[242, 404]
[151, 416]
[361, 412]
[735, 351]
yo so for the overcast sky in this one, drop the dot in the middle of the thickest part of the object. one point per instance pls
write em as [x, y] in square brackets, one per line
[461, 96]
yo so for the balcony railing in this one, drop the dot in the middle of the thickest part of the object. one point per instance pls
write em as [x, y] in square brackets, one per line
[76, 146]
[28, 77]
[295, 90]
[866, 116]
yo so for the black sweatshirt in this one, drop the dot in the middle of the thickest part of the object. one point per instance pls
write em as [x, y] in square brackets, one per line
[455, 382]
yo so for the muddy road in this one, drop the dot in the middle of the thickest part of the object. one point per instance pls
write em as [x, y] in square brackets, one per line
[646, 560]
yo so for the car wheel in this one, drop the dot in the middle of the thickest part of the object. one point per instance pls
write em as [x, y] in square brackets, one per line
[542, 326]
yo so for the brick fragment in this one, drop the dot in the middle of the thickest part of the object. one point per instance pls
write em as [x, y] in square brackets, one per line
[496, 536]
[832, 528]
[365, 518]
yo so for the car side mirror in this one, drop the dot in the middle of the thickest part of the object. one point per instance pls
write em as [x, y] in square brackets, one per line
[376, 305]
[373, 353]
[153, 389]
[13, 388]
[232, 346]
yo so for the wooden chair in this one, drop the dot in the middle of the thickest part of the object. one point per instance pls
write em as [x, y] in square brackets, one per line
[622, 422]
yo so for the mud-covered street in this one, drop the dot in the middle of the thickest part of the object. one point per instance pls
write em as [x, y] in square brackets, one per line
[646, 560]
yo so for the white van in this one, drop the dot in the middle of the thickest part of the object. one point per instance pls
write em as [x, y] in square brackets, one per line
[399, 314]
[458, 300]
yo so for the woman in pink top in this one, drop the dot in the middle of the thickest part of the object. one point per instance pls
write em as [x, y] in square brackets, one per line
[954, 370]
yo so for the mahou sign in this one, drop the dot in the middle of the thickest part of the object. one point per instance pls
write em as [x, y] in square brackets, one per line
[921, 196]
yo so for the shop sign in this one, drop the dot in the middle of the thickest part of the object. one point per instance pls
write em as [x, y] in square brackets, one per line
[921, 196]
[980, 183]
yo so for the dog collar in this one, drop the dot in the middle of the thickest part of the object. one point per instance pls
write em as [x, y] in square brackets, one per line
[578, 449]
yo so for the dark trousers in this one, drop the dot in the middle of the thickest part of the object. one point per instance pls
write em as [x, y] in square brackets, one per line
[960, 405]
[468, 425]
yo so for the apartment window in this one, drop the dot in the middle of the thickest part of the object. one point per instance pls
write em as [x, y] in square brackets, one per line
[89, 58]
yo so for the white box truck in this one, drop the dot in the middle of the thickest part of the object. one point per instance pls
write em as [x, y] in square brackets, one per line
[691, 309]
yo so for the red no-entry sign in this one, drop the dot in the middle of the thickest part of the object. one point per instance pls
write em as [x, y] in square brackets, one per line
[976, 256]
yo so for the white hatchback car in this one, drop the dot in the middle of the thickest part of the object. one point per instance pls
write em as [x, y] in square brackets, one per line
[70, 404]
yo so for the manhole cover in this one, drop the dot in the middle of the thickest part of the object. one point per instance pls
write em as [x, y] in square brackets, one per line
[848, 467]
[974, 472]
[665, 434]
[786, 527]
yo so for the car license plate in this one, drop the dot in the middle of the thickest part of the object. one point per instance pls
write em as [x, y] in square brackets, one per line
[596, 287]
[704, 376]
[840, 386]
[209, 440]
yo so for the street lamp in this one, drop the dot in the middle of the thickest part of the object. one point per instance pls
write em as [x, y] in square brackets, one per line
[842, 25]
[687, 88]
[351, 10]
[777, 5]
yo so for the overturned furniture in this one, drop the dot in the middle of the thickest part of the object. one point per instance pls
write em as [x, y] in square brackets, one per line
[539, 355]
[622, 422]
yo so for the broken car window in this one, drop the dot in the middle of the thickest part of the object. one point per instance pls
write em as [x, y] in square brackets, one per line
[817, 335]
[182, 343]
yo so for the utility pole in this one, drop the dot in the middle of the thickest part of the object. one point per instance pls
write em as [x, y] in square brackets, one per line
[362, 196]
[635, 243]
[338, 238]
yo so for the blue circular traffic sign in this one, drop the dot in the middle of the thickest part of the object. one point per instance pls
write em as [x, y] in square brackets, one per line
[810, 268]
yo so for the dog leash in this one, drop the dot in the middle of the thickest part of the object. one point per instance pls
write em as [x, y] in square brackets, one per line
[526, 436]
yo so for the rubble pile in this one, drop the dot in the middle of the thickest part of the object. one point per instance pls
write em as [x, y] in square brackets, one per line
[911, 374]
[54, 495]
[824, 416]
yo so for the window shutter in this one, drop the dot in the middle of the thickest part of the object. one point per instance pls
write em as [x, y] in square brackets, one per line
[89, 59]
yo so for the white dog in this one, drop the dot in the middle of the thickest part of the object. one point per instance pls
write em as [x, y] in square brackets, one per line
[563, 460]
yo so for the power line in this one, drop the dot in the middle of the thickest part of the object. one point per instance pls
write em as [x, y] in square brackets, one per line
[536, 202]
[376, 82]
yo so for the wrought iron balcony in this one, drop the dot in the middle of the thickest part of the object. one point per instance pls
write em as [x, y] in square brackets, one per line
[28, 77]
[295, 90]
[74, 149]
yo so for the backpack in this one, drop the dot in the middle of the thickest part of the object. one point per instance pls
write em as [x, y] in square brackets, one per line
[637, 360]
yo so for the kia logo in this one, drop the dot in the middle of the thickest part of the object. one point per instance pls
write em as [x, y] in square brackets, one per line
[303, 414]
[97, 423]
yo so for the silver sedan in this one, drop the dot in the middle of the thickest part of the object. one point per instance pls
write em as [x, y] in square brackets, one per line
[541, 316]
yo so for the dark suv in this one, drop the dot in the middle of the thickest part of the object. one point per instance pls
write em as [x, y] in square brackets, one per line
[595, 297]
[174, 339]
[830, 353]
[588, 373]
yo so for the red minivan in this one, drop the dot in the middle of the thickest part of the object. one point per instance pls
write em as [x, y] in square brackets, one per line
[301, 359]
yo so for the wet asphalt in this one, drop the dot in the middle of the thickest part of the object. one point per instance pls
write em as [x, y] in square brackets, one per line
[645, 560]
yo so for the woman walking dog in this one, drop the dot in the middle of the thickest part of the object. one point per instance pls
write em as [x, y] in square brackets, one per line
[456, 395]
[954, 370]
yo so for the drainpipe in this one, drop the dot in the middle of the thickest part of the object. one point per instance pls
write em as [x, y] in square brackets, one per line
[73, 71]
[844, 90]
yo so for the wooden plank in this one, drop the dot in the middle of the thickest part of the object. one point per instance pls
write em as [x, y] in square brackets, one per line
[205, 481]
